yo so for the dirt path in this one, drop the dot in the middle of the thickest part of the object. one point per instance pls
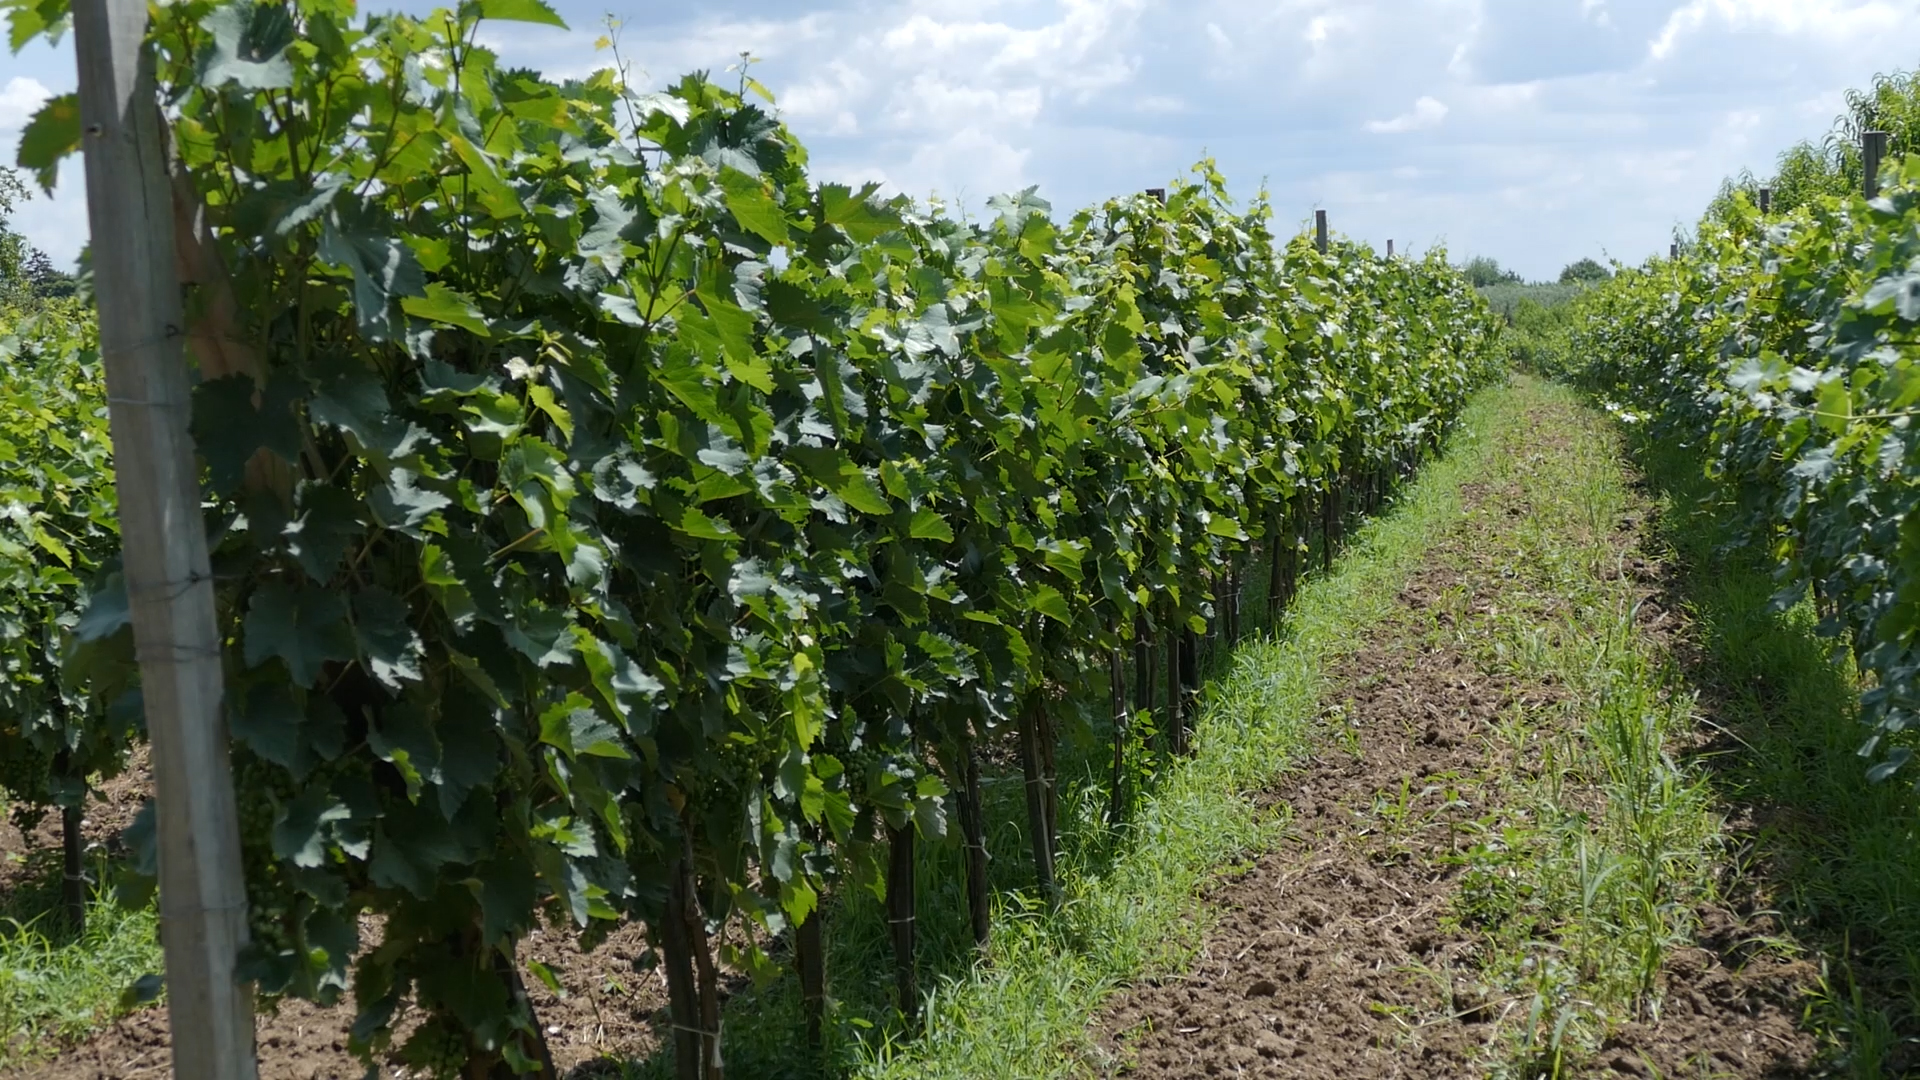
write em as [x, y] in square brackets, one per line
[1412, 921]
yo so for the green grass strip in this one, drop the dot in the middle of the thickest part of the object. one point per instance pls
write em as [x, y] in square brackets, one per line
[56, 987]
[1026, 1012]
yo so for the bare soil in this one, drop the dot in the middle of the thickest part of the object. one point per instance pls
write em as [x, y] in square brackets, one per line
[610, 1012]
[1332, 956]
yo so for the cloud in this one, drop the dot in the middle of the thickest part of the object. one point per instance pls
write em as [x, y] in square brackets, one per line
[19, 100]
[1427, 113]
[1536, 131]
[1830, 20]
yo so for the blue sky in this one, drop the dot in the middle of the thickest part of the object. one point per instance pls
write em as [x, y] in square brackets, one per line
[1535, 131]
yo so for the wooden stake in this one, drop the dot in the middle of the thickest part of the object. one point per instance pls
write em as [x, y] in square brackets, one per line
[974, 829]
[900, 918]
[1117, 708]
[73, 883]
[1159, 193]
[1174, 637]
[1189, 685]
[683, 990]
[1873, 151]
[1320, 230]
[810, 956]
[1389, 249]
[203, 899]
[1766, 200]
[1036, 783]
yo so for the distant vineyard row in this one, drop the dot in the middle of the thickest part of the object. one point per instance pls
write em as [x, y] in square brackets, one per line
[1785, 345]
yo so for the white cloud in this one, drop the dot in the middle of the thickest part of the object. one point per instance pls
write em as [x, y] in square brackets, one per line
[19, 100]
[1536, 131]
[1426, 113]
[1832, 20]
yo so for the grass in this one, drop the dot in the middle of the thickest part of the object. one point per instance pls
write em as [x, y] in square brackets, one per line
[56, 987]
[1835, 855]
[1593, 844]
[1129, 901]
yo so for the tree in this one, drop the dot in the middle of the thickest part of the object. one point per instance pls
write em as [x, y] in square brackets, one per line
[1483, 271]
[26, 273]
[1584, 272]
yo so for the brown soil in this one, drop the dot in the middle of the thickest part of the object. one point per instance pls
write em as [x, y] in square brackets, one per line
[111, 809]
[610, 1014]
[610, 1011]
[1333, 955]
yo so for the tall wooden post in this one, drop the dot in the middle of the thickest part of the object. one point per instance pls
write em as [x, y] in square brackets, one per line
[1158, 193]
[203, 916]
[1673, 250]
[1766, 200]
[1873, 150]
[1389, 249]
[1320, 230]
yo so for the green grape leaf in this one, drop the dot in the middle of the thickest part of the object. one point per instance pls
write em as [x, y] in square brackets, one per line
[269, 721]
[107, 610]
[390, 647]
[301, 827]
[529, 11]
[752, 206]
[575, 729]
[29, 19]
[449, 306]
[228, 428]
[1047, 600]
[383, 268]
[858, 215]
[305, 627]
[52, 134]
[505, 887]
[248, 46]
[860, 492]
[1835, 408]
[330, 523]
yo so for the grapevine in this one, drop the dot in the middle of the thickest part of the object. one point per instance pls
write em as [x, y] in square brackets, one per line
[614, 523]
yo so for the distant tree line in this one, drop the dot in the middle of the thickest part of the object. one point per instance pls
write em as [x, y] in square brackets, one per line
[27, 275]
[1485, 272]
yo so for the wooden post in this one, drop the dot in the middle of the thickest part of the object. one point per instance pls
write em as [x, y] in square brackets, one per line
[1034, 773]
[900, 918]
[1673, 251]
[1873, 150]
[1766, 200]
[203, 900]
[1320, 230]
[1389, 249]
[973, 830]
[1159, 193]
[810, 955]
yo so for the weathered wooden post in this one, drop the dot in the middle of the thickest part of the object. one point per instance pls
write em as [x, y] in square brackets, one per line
[203, 900]
[1766, 200]
[1673, 250]
[1159, 193]
[1320, 230]
[1873, 151]
[1389, 249]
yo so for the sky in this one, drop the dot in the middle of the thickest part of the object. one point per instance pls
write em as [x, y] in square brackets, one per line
[1534, 131]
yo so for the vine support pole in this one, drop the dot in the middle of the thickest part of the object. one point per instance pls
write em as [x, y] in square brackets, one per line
[203, 916]
[1766, 200]
[1873, 151]
[1320, 231]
